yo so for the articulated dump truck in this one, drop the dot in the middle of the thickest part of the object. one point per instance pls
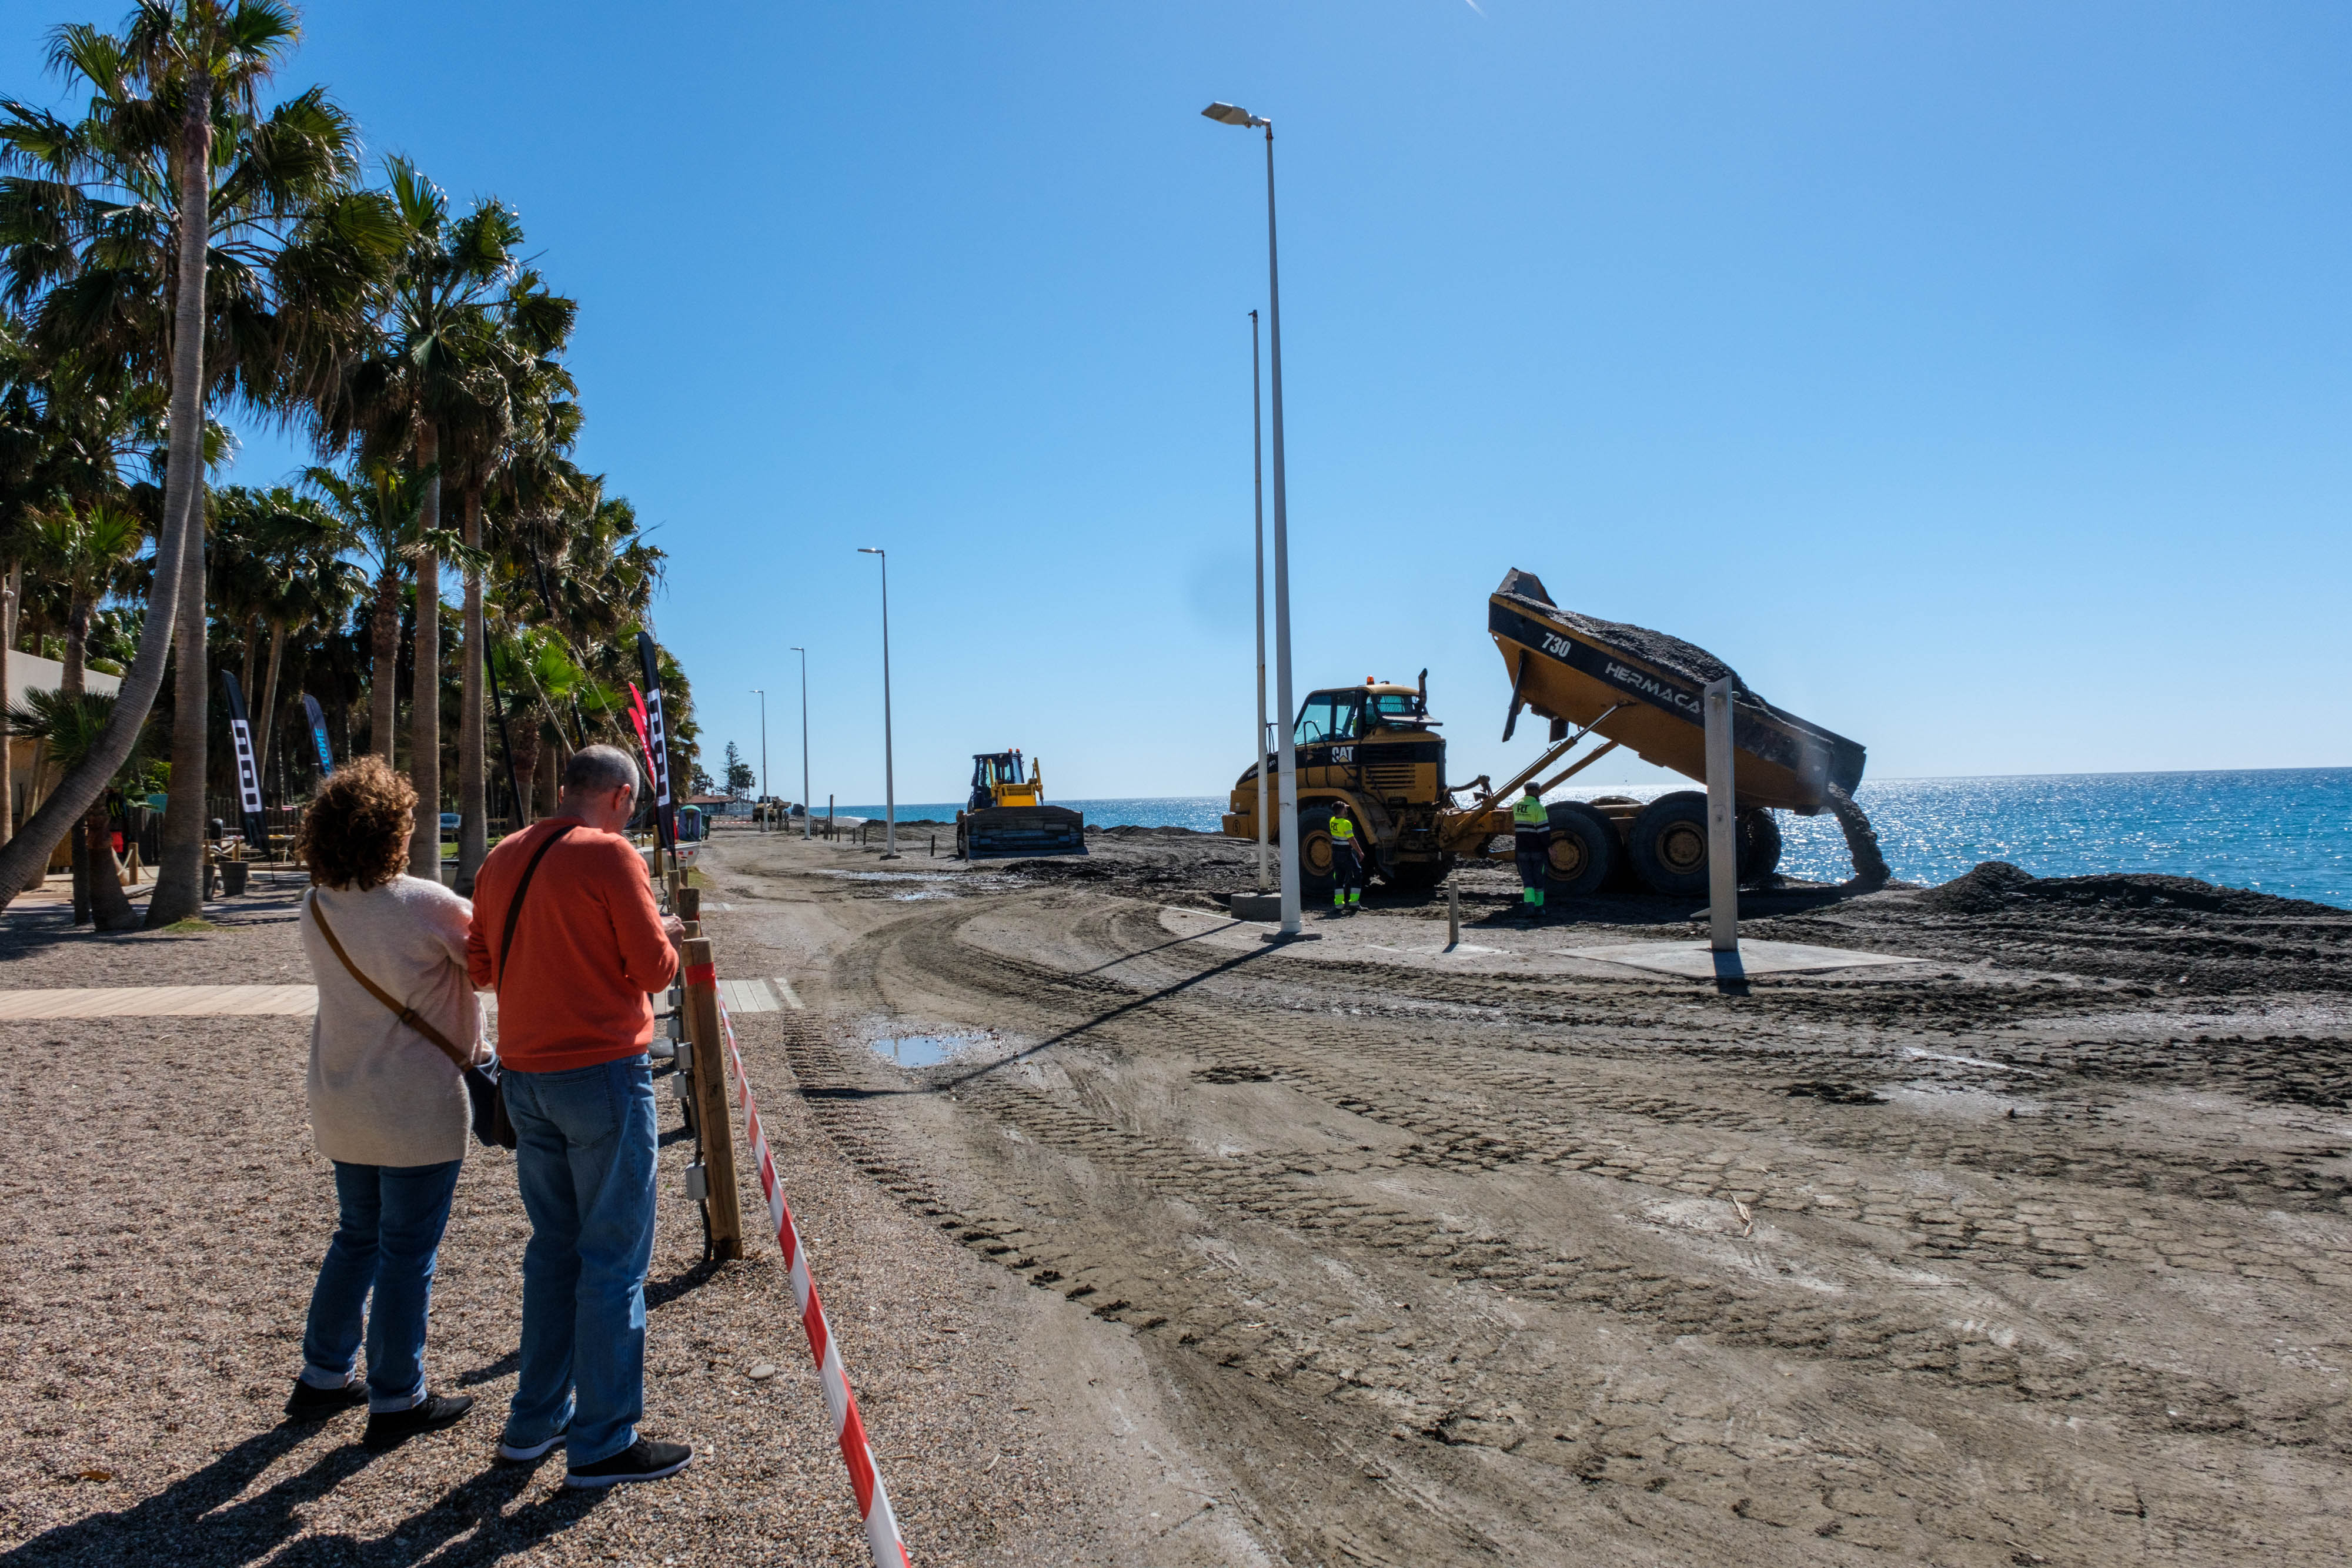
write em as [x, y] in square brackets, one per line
[1374, 750]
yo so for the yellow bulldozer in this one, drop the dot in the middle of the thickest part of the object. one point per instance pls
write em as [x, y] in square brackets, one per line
[1006, 814]
[1374, 750]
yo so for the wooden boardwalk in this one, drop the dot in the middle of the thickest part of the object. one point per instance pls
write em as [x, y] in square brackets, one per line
[230, 1001]
[159, 1002]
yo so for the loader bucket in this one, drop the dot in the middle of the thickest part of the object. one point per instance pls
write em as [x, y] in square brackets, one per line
[1002, 832]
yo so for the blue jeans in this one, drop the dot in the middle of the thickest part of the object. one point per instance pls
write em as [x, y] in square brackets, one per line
[385, 1242]
[584, 1142]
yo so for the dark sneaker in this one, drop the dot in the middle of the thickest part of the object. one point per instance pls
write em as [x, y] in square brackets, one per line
[523, 1453]
[643, 1461]
[309, 1402]
[390, 1428]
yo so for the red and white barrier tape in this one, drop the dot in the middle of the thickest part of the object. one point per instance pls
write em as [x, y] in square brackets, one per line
[864, 1479]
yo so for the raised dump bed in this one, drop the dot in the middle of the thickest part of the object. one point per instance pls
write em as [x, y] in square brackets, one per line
[1641, 689]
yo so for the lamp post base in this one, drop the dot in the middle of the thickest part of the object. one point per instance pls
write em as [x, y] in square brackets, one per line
[1283, 936]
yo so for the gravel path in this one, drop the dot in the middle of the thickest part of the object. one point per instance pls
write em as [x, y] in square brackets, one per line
[165, 1213]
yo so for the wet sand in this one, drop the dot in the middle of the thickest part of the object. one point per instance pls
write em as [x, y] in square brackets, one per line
[2036, 1248]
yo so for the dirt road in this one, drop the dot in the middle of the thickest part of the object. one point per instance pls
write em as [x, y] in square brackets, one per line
[2035, 1250]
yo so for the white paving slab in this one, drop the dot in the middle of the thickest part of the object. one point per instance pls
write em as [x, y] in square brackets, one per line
[1696, 961]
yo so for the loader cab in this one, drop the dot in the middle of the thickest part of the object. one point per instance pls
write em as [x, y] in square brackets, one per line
[996, 776]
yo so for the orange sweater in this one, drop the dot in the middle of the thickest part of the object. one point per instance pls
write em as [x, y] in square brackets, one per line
[588, 949]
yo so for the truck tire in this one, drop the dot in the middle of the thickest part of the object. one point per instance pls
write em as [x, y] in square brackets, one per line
[1315, 849]
[1583, 851]
[1759, 845]
[1669, 845]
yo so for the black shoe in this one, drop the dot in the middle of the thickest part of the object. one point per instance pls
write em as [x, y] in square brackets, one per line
[390, 1428]
[528, 1454]
[310, 1403]
[643, 1461]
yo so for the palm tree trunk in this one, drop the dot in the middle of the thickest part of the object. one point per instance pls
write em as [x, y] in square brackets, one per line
[179, 873]
[77, 659]
[110, 906]
[474, 830]
[523, 729]
[11, 587]
[268, 715]
[425, 690]
[81, 869]
[252, 630]
[383, 662]
[23, 855]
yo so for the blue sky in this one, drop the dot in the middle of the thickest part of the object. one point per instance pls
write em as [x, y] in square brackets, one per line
[1973, 377]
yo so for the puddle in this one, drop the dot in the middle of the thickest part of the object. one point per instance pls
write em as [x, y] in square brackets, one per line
[890, 875]
[926, 1050]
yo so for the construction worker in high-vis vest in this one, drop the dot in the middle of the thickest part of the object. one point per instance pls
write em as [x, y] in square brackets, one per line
[1532, 847]
[1347, 864]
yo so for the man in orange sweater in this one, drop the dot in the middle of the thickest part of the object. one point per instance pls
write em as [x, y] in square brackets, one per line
[566, 931]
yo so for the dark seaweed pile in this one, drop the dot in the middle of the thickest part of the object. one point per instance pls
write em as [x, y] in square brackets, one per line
[1997, 884]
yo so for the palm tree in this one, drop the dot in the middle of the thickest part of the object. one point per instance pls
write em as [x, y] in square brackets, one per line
[435, 362]
[87, 553]
[153, 234]
[379, 511]
[314, 588]
[530, 415]
[72, 726]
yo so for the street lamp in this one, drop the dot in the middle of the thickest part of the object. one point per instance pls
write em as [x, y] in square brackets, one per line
[1230, 114]
[808, 817]
[763, 695]
[1257, 486]
[889, 779]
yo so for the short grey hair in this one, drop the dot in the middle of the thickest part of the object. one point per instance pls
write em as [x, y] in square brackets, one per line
[600, 767]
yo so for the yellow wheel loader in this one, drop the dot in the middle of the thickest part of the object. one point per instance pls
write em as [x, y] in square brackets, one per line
[1373, 750]
[1007, 816]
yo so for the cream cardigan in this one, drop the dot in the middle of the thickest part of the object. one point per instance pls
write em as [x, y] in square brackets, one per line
[382, 1093]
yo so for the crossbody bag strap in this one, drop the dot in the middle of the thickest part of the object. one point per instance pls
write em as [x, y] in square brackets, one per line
[514, 904]
[406, 1015]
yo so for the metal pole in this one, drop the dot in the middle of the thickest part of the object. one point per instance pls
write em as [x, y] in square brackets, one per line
[808, 812]
[889, 776]
[1288, 735]
[1257, 482]
[1722, 832]
[759, 812]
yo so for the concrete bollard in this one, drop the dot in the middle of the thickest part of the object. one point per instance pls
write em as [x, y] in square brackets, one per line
[710, 1116]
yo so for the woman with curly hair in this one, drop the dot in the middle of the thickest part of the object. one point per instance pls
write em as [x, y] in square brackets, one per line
[388, 1105]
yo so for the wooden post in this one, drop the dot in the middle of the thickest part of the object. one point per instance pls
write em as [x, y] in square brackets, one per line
[710, 1098]
[1452, 915]
[688, 904]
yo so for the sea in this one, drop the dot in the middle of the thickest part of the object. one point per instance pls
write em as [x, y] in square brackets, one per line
[2281, 831]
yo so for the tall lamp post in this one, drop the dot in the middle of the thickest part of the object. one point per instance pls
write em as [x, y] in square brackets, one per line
[808, 817]
[1257, 487]
[1230, 114]
[889, 779]
[763, 695]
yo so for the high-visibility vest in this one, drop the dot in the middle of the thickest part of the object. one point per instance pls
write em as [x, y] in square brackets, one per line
[1529, 812]
[1343, 831]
